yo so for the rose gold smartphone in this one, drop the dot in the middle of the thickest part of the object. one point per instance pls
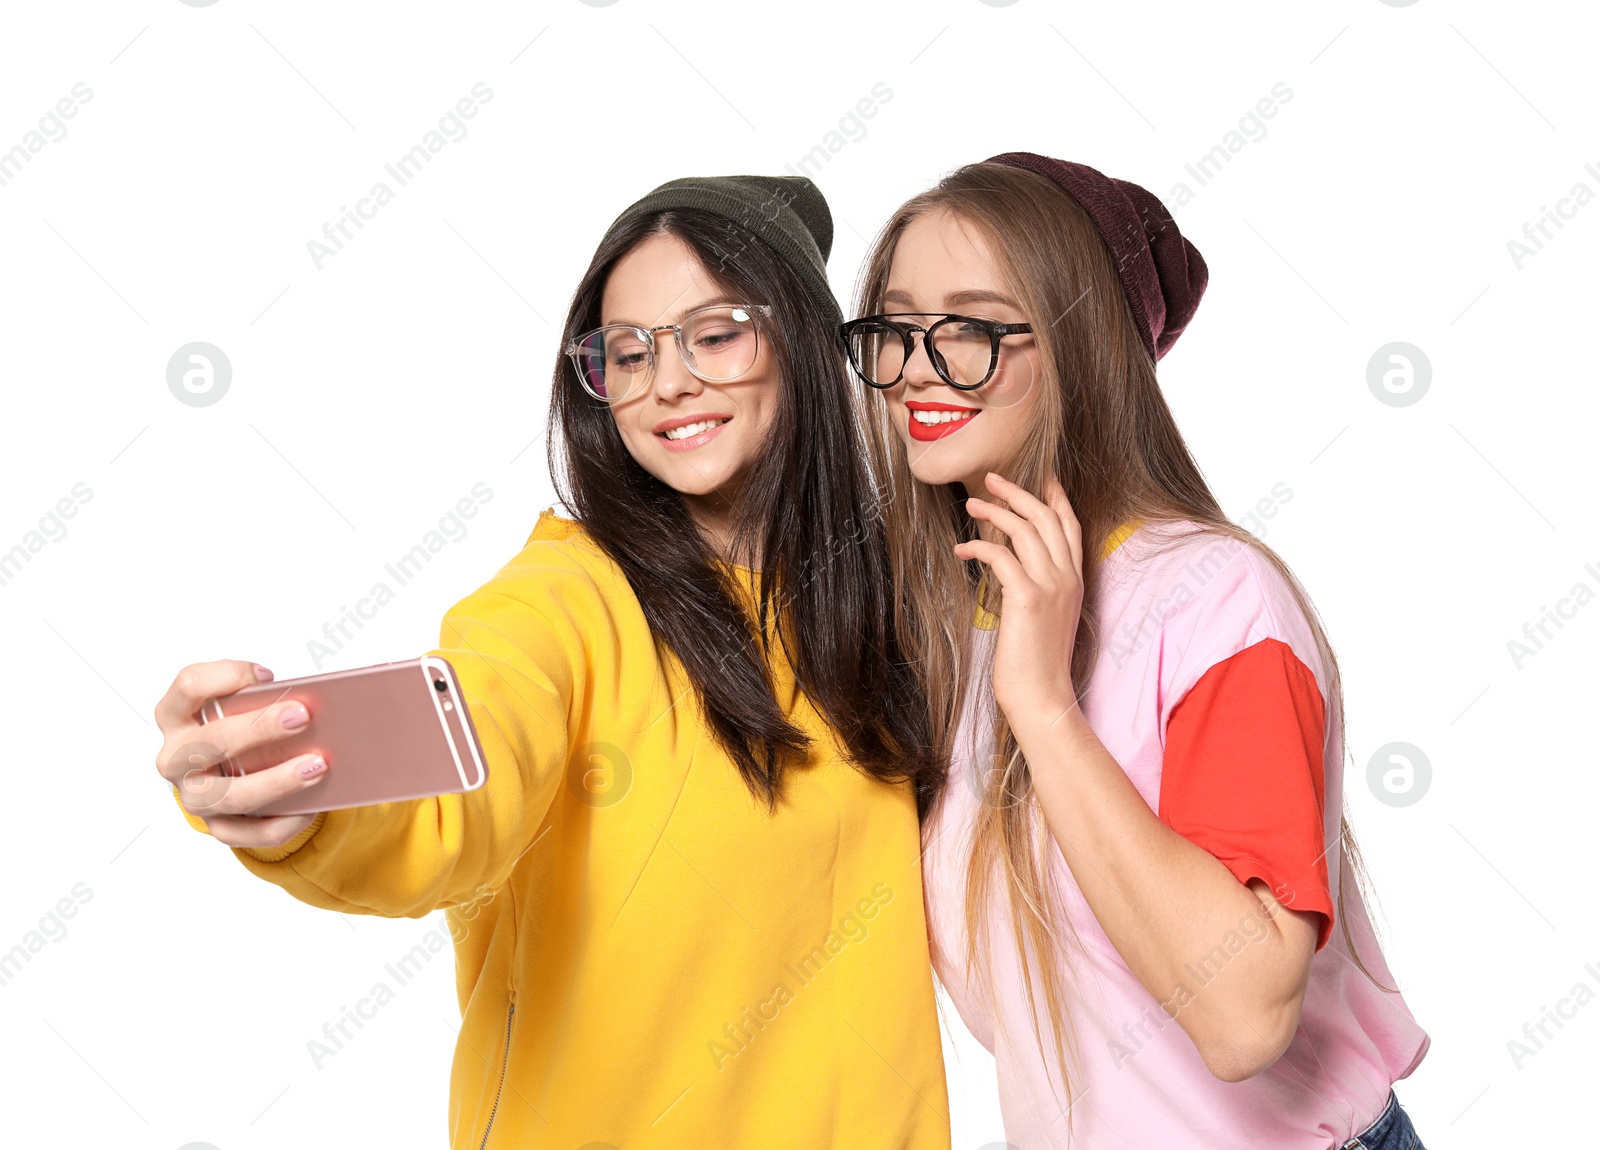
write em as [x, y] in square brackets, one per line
[389, 732]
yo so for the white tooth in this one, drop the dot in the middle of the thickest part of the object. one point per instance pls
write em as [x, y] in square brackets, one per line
[692, 429]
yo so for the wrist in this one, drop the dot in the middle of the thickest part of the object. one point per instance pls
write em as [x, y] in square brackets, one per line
[1041, 711]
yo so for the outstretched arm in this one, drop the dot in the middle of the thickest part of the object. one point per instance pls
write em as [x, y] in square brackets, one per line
[519, 672]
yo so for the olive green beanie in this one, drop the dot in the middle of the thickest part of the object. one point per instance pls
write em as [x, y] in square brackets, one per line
[788, 213]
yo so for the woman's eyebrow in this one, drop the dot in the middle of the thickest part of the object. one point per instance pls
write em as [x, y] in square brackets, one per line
[899, 298]
[980, 295]
[710, 302]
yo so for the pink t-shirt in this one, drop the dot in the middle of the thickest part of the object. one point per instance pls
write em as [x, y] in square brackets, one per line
[1170, 610]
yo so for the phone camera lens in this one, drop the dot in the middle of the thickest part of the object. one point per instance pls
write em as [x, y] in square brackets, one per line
[439, 685]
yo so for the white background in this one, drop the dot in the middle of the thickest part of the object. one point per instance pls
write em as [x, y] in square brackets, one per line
[368, 396]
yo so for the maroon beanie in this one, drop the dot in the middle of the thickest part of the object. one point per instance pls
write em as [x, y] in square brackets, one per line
[1162, 273]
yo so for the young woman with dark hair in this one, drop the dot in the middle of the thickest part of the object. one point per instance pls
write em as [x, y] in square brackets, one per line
[686, 904]
[1143, 896]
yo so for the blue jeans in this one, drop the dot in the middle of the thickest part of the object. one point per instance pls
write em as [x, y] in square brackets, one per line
[1392, 1131]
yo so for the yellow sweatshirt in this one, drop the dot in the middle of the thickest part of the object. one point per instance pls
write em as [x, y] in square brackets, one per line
[644, 955]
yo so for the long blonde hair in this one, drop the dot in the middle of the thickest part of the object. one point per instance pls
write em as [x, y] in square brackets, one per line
[1100, 424]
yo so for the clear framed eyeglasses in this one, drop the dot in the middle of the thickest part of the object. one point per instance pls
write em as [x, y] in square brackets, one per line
[718, 344]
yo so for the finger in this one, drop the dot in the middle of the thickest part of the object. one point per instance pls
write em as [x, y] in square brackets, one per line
[1006, 566]
[1043, 517]
[194, 746]
[209, 793]
[1035, 556]
[279, 719]
[201, 681]
[1070, 527]
[268, 831]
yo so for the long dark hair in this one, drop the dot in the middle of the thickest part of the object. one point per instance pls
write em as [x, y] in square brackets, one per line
[806, 513]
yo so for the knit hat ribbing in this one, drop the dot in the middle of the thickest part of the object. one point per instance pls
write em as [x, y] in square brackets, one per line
[787, 213]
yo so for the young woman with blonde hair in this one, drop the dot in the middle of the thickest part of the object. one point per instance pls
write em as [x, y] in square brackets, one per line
[1142, 894]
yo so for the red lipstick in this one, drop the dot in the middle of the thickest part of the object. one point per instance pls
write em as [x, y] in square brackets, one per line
[925, 432]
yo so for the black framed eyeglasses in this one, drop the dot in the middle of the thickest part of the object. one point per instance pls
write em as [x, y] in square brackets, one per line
[964, 350]
[717, 343]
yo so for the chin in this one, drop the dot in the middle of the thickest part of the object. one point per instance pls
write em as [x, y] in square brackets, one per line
[699, 473]
[937, 468]
[697, 484]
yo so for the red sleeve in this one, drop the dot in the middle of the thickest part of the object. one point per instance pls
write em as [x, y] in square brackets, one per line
[1242, 774]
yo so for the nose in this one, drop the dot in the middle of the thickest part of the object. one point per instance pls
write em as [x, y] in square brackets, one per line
[918, 371]
[673, 379]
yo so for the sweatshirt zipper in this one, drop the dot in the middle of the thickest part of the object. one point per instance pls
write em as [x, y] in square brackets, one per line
[499, 1089]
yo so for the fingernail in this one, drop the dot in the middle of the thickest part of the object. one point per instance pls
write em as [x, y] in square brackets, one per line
[315, 765]
[294, 715]
[262, 674]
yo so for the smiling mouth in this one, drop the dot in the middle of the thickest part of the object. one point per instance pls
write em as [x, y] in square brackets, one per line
[935, 421]
[689, 430]
[933, 418]
[693, 432]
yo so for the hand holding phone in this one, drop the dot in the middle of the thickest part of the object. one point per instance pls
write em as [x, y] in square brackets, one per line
[257, 758]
